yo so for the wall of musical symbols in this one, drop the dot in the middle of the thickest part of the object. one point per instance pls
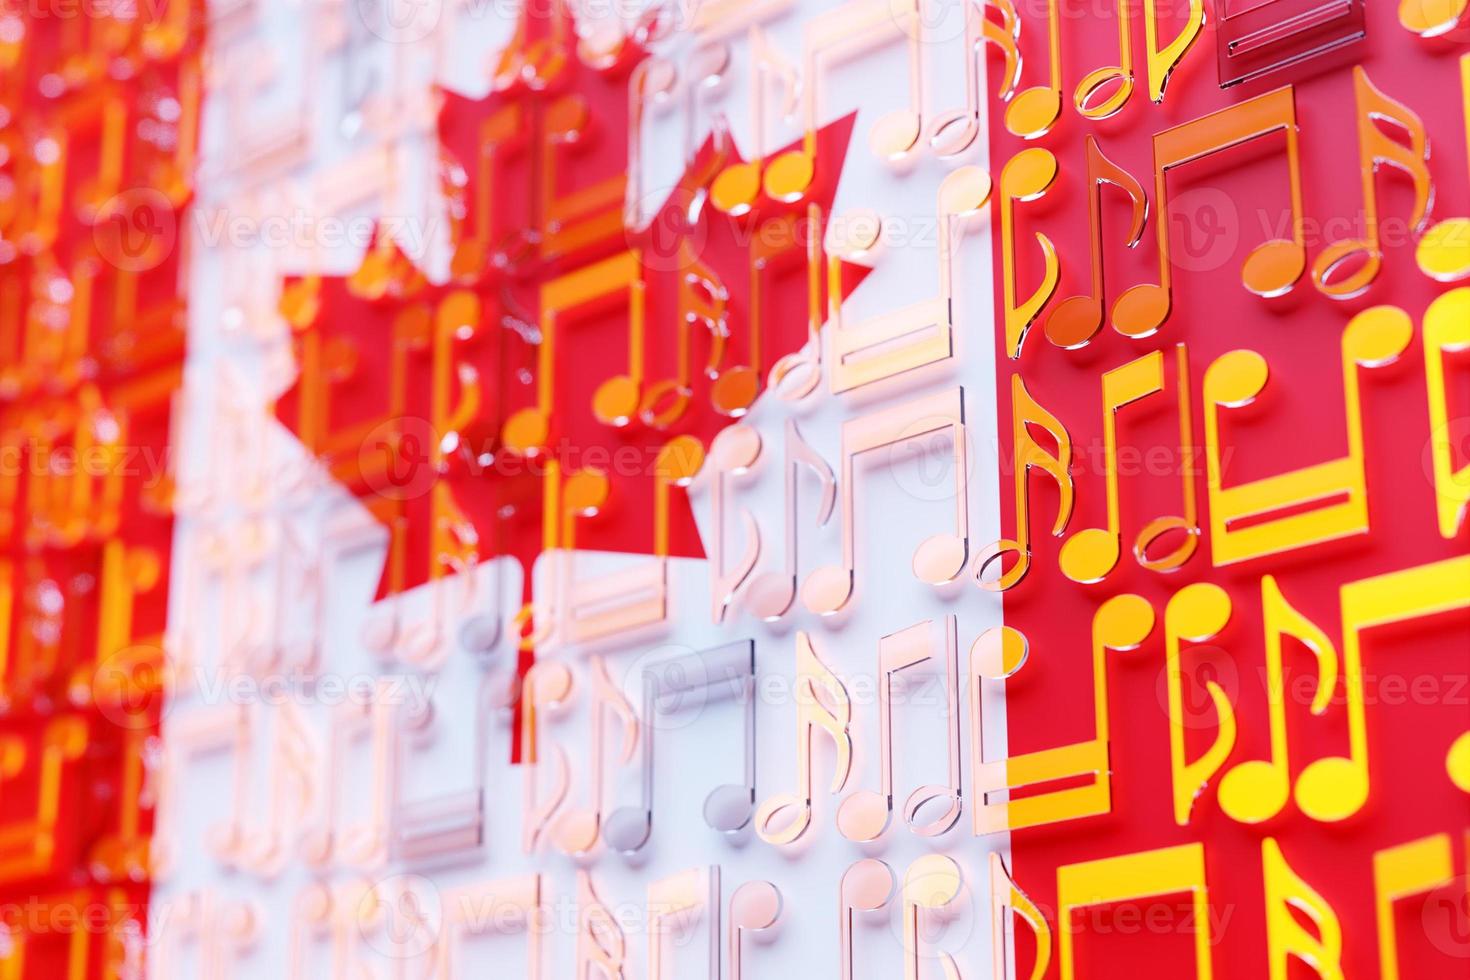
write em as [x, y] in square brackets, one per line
[723, 490]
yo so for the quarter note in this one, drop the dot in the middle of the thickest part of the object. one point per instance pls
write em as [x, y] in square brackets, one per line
[1362, 257]
[1035, 109]
[1273, 267]
[1027, 176]
[865, 815]
[821, 703]
[938, 559]
[1077, 319]
[771, 593]
[1027, 412]
[1091, 553]
[724, 671]
[1196, 613]
[755, 907]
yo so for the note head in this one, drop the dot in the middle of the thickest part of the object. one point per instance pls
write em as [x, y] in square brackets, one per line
[1033, 113]
[576, 832]
[1331, 790]
[1236, 378]
[954, 132]
[1273, 267]
[616, 401]
[895, 134]
[1457, 762]
[1430, 18]
[1097, 98]
[1124, 621]
[735, 189]
[1089, 555]
[756, 905]
[1443, 253]
[1346, 269]
[627, 829]
[729, 809]
[999, 652]
[1074, 322]
[1141, 310]
[526, 431]
[1155, 531]
[964, 192]
[783, 819]
[925, 799]
[994, 556]
[664, 403]
[789, 175]
[827, 589]
[1378, 335]
[1254, 792]
[867, 885]
[940, 559]
[864, 816]
[735, 390]
[770, 595]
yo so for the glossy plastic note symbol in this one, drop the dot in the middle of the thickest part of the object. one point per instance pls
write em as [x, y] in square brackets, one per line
[1290, 903]
[1446, 331]
[938, 559]
[1145, 874]
[916, 335]
[674, 904]
[1270, 515]
[1400, 872]
[866, 887]
[732, 452]
[1007, 899]
[1163, 61]
[1363, 257]
[576, 831]
[1091, 553]
[601, 943]
[1443, 253]
[1196, 614]
[546, 688]
[821, 703]
[1430, 18]
[690, 681]
[1035, 109]
[931, 885]
[755, 907]
[1026, 176]
[1077, 319]
[954, 131]
[865, 815]
[1027, 412]
[1273, 267]
[772, 593]
[1121, 623]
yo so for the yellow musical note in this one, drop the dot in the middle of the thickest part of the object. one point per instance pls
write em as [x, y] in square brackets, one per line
[1163, 61]
[1443, 252]
[1402, 871]
[1196, 613]
[1006, 897]
[1446, 331]
[1035, 109]
[1430, 18]
[1121, 623]
[1025, 413]
[1287, 897]
[821, 703]
[703, 305]
[28, 845]
[1373, 338]
[1145, 874]
[1026, 176]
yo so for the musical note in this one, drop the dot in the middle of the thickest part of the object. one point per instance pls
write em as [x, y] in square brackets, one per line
[1373, 338]
[736, 188]
[547, 687]
[502, 134]
[222, 930]
[703, 305]
[1006, 897]
[1430, 18]
[1273, 267]
[865, 815]
[796, 375]
[1443, 253]
[1289, 900]
[1196, 613]
[1027, 176]
[616, 400]
[672, 902]
[931, 884]
[28, 844]
[1128, 877]
[1029, 454]
[866, 886]
[755, 907]
[1446, 331]
[1091, 553]
[666, 683]
[917, 335]
[1035, 109]
[733, 451]
[1363, 257]
[601, 944]
[1088, 98]
[771, 593]
[294, 764]
[1077, 319]
[1255, 791]
[938, 559]
[954, 131]
[1121, 623]
[365, 845]
[1163, 61]
[577, 831]
[821, 703]
[1400, 872]
[517, 905]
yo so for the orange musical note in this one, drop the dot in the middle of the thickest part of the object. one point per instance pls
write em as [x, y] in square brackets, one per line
[28, 845]
[1431, 18]
[865, 815]
[1241, 522]
[1091, 553]
[1273, 267]
[1197, 613]
[771, 593]
[1090, 98]
[1121, 623]
[1027, 176]
[703, 302]
[1443, 253]
[1363, 257]
[1077, 319]
[1025, 413]
[938, 559]
[821, 703]
[1035, 109]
